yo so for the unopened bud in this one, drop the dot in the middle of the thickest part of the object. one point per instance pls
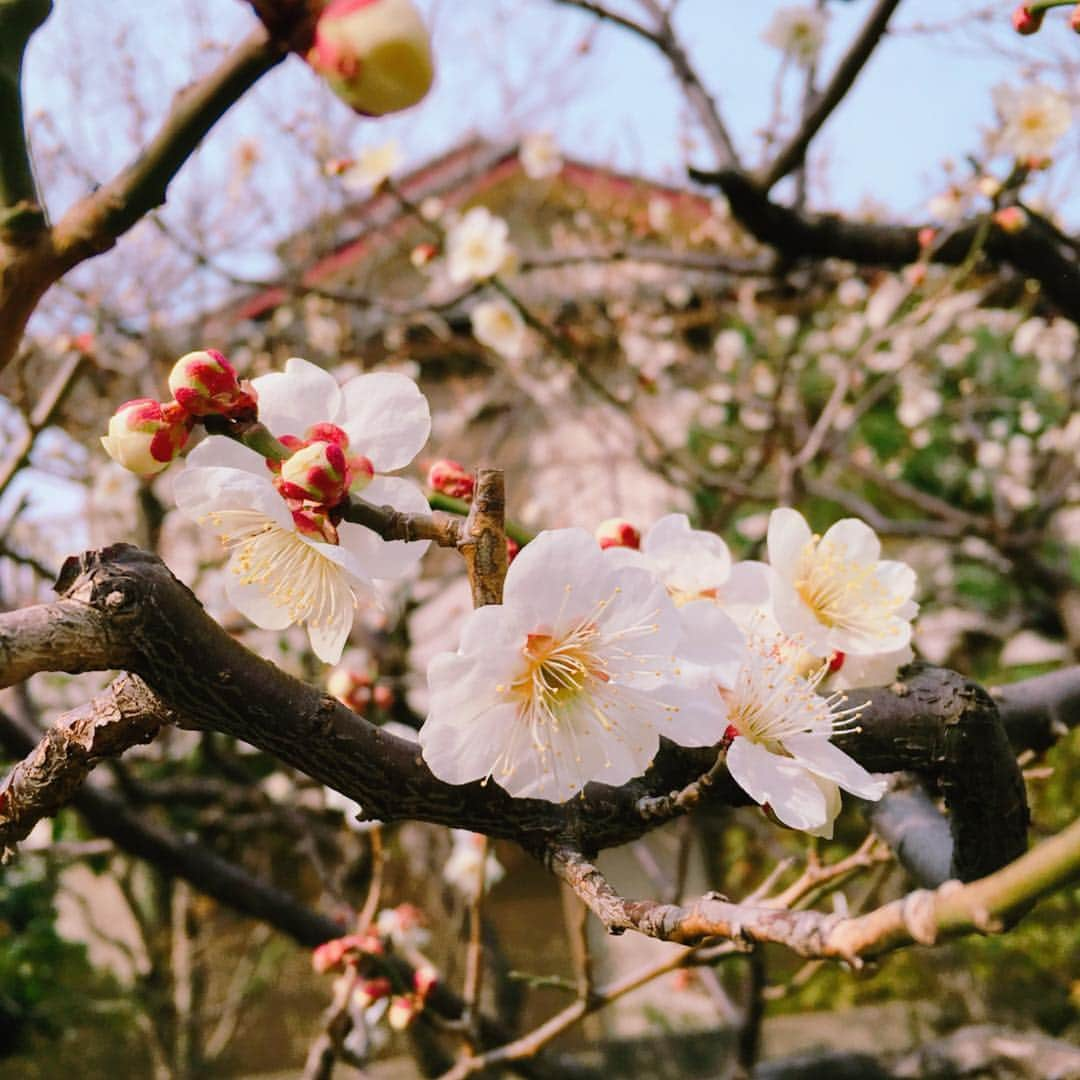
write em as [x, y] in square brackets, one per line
[1010, 219]
[145, 435]
[422, 254]
[617, 532]
[1025, 21]
[351, 688]
[451, 478]
[425, 979]
[330, 433]
[374, 54]
[383, 697]
[404, 1009]
[512, 549]
[205, 384]
[368, 991]
[362, 472]
[316, 473]
[1074, 19]
[315, 525]
[926, 237]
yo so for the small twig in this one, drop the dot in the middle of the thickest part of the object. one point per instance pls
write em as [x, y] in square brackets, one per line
[374, 893]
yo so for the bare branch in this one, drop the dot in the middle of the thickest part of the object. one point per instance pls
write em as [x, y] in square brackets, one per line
[792, 154]
[125, 715]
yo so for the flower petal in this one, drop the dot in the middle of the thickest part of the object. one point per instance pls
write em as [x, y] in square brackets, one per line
[789, 790]
[254, 603]
[459, 753]
[202, 491]
[290, 401]
[859, 541]
[822, 757]
[788, 535]
[217, 450]
[381, 558]
[712, 640]
[387, 418]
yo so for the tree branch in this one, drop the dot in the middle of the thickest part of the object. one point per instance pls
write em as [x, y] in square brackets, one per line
[793, 152]
[988, 905]
[1034, 251]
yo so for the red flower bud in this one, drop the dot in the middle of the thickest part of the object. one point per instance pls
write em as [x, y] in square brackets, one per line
[451, 478]
[1074, 19]
[836, 661]
[512, 548]
[205, 384]
[374, 54]
[1010, 219]
[383, 697]
[316, 473]
[1025, 21]
[617, 532]
[145, 435]
[926, 236]
[351, 688]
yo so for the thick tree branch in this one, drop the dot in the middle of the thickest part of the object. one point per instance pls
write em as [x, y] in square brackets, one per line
[121, 608]
[1034, 251]
[792, 154]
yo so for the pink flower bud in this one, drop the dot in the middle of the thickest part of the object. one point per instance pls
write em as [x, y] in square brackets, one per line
[333, 955]
[404, 1009]
[205, 384]
[316, 473]
[374, 54]
[512, 548]
[926, 237]
[425, 979]
[362, 471]
[350, 687]
[1025, 21]
[422, 254]
[368, 991]
[383, 697]
[451, 478]
[1074, 19]
[1010, 219]
[328, 433]
[617, 532]
[145, 435]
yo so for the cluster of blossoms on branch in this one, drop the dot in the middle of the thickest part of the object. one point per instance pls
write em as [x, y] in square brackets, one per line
[603, 644]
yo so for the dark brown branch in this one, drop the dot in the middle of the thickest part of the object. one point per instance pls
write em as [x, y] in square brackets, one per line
[121, 608]
[1033, 251]
[793, 152]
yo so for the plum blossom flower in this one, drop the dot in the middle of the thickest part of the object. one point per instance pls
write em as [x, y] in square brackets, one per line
[462, 869]
[697, 565]
[1033, 119]
[477, 246]
[498, 325]
[798, 32]
[540, 157]
[289, 562]
[834, 591]
[780, 727]
[372, 166]
[572, 678]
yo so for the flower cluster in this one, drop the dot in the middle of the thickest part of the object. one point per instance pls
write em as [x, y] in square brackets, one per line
[597, 652]
[280, 510]
[146, 435]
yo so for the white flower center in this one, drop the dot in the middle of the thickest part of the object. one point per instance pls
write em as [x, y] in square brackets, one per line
[291, 573]
[557, 670]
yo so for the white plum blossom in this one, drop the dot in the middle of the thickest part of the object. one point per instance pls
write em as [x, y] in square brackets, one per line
[780, 753]
[573, 678]
[477, 246]
[540, 156]
[498, 325]
[696, 565]
[798, 32]
[405, 925]
[462, 869]
[284, 566]
[834, 591]
[1033, 119]
[372, 166]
